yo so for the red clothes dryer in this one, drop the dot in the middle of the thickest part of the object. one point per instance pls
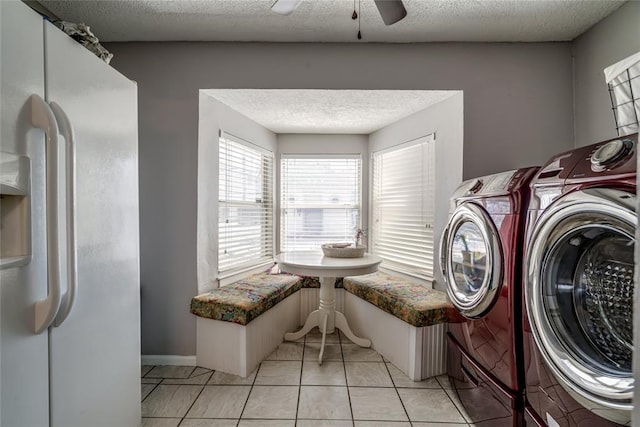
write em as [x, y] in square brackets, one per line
[578, 270]
[481, 258]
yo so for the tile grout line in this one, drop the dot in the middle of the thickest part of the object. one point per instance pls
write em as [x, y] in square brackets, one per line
[249, 394]
[398, 393]
[454, 390]
[344, 369]
[194, 400]
[304, 346]
[155, 386]
[341, 342]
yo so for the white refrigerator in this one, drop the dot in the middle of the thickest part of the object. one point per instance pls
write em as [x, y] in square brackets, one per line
[69, 259]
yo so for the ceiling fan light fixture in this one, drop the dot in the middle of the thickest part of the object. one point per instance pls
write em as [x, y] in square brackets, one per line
[391, 11]
[285, 7]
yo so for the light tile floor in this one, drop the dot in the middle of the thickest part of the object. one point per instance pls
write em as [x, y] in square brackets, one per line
[354, 387]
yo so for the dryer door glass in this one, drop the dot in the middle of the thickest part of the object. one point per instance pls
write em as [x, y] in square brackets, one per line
[468, 259]
[473, 259]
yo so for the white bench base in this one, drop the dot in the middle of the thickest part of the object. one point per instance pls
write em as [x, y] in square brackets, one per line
[236, 349]
[418, 352]
[239, 349]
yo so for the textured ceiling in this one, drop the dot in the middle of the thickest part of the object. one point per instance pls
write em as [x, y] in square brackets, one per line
[330, 20]
[333, 111]
[327, 111]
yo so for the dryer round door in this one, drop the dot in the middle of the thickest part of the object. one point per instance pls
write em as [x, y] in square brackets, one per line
[579, 296]
[471, 260]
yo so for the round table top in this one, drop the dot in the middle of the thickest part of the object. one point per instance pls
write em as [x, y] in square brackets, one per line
[314, 263]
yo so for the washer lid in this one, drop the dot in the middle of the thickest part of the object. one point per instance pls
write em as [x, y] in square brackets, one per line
[472, 260]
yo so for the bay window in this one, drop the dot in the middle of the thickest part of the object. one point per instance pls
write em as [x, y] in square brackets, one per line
[320, 200]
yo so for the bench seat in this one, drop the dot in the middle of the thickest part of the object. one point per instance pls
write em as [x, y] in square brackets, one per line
[406, 322]
[412, 303]
[243, 301]
[238, 325]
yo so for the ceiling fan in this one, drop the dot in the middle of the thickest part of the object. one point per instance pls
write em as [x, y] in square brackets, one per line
[391, 11]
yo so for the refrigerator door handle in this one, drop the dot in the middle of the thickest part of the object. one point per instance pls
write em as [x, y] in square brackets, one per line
[42, 118]
[66, 129]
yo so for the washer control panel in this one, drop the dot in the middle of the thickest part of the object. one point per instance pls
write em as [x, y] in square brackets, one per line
[475, 186]
[499, 183]
[613, 158]
[610, 153]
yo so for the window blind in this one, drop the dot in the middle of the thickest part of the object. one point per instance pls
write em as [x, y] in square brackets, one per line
[245, 205]
[320, 200]
[402, 207]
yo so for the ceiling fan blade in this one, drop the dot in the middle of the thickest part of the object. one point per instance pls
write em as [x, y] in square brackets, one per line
[391, 11]
[285, 7]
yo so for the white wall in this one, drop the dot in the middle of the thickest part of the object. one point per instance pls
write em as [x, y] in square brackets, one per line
[609, 41]
[517, 112]
[325, 144]
[445, 119]
[214, 117]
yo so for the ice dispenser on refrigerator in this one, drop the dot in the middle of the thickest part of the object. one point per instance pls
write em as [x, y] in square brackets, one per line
[15, 247]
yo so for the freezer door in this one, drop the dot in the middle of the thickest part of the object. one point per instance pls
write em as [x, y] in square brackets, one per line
[95, 351]
[24, 391]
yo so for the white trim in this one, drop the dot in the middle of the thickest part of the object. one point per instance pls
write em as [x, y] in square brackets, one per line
[232, 277]
[414, 277]
[226, 135]
[318, 195]
[267, 170]
[321, 156]
[431, 137]
[172, 360]
[404, 171]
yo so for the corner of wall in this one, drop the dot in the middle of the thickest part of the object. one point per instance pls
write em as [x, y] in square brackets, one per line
[446, 120]
[214, 116]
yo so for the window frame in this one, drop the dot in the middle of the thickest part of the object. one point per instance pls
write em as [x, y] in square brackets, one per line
[267, 225]
[427, 212]
[282, 206]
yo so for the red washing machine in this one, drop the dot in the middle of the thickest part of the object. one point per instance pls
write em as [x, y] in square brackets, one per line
[481, 259]
[578, 271]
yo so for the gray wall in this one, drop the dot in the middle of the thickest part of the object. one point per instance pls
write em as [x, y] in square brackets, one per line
[609, 41]
[517, 112]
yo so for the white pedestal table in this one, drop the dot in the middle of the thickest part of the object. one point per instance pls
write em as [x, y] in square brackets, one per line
[314, 263]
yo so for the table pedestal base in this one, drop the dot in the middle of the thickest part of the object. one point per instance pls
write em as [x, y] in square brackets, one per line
[327, 318]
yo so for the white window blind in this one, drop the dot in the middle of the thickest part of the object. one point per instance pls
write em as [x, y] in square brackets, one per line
[402, 207]
[245, 206]
[320, 200]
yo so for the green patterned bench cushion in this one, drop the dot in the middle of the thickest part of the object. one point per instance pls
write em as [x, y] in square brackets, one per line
[243, 301]
[410, 302]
